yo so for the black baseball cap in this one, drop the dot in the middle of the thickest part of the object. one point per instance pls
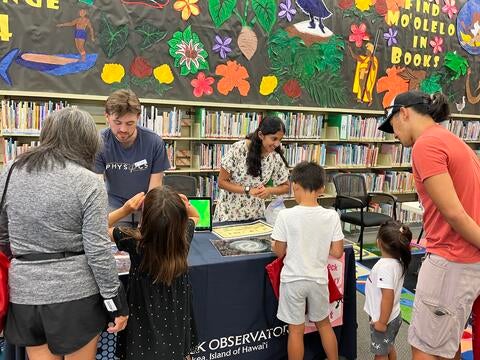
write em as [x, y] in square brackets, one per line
[405, 99]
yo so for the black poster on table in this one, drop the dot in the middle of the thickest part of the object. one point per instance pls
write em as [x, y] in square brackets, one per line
[337, 54]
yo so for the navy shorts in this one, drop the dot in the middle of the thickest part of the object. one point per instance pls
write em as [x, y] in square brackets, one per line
[65, 327]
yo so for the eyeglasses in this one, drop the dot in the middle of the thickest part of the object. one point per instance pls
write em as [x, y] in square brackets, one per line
[391, 109]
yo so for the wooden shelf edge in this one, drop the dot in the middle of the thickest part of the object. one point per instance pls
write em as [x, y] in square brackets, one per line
[170, 102]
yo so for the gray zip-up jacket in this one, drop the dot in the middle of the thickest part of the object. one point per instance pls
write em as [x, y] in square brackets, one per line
[64, 209]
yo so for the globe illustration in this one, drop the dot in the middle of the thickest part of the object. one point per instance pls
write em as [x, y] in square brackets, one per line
[468, 27]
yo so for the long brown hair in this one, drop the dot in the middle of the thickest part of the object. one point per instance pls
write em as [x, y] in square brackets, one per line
[162, 235]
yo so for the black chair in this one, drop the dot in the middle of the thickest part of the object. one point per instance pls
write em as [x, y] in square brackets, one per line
[183, 184]
[352, 194]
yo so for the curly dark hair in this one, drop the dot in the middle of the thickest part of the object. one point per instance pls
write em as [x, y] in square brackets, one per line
[269, 125]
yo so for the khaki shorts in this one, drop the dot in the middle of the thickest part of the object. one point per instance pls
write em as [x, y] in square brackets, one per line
[443, 300]
[297, 296]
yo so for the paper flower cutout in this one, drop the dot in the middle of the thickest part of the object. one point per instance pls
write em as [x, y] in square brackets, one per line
[112, 73]
[363, 5]
[187, 7]
[234, 76]
[268, 84]
[345, 4]
[140, 67]
[359, 34]
[391, 36]
[202, 85]
[287, 10]
[163, 74]
[436, 44]
[222, 46]
[188, 52]
[450, 8]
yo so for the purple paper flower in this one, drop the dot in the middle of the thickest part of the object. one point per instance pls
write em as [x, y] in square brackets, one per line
[287, 10]
[391, 36]
[222, 46]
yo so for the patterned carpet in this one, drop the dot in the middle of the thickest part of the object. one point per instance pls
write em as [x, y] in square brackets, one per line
[371, 255]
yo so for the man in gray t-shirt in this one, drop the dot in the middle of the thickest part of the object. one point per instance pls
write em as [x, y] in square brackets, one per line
[133, 158]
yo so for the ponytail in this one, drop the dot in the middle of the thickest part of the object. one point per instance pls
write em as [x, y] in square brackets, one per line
[438, 107]
[395, 239]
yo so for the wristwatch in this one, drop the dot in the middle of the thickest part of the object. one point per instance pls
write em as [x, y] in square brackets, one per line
[247, 190]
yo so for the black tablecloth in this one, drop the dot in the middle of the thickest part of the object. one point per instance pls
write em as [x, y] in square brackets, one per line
[235, 309]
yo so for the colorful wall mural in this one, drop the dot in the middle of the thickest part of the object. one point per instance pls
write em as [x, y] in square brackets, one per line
[341, 54]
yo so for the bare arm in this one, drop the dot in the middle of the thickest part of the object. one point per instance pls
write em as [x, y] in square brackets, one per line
[225, 183]
[155, 180]
[336, 249]
[279, 248]
[132, 204]
[70, 23]
[386, 307]
[90, 28]
[442, 192]
[192, 213]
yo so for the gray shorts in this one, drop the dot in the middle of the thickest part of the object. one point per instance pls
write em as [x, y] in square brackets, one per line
[444, 296]
[382, 341]
[301, 296]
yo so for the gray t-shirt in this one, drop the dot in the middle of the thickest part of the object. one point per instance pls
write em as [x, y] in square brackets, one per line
[63, 209]
[127, 170]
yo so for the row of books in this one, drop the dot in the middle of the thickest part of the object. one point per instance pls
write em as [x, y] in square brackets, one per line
[27, 116]
[385, 181]
[354, 127]
[224, 124]
[466, 130]
[161, 121]
[407, 216]
[301, 125]
[211, 155]
[324, 155]
[170, 149]
[12, 149]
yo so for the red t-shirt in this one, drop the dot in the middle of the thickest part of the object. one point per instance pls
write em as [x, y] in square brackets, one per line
[435, 152]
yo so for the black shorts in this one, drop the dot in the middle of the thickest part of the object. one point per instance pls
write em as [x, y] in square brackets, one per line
[65, 327]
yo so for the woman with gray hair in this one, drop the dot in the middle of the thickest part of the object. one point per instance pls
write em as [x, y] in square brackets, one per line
[62, 274]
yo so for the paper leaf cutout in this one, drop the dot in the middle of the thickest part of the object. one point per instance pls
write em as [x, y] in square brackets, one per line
[113, 39]
[221, 10]
[266, 13]
[431, 84]
[326, 89]
[247, 42]
[455, 64]
[151, 35]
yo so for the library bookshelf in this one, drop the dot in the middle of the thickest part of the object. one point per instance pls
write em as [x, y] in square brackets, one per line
[198, 134]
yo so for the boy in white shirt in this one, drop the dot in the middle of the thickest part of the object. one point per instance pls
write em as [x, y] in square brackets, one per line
[306, 234]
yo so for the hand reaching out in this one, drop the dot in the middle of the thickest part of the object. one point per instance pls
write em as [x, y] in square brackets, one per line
[134, 203]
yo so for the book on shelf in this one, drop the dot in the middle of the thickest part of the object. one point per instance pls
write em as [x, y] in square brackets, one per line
[26, 117]
[464, 129]
[163, 122]
[223, 124]
[13, 148]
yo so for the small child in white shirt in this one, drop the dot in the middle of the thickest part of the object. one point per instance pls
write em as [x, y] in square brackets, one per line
[384, 287]
[306, 234]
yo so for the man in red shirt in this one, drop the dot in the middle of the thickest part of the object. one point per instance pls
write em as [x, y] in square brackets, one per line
[447, 179]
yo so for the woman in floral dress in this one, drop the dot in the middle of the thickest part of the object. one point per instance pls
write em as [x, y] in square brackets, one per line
[247, 168]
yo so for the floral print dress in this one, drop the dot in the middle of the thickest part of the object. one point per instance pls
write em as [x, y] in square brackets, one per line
[235, 206]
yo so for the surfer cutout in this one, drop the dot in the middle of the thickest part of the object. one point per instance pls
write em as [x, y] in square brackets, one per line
[82, 23]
